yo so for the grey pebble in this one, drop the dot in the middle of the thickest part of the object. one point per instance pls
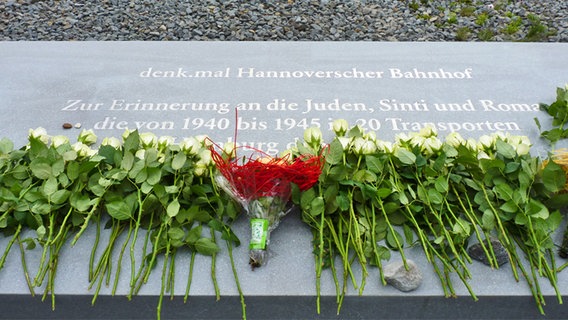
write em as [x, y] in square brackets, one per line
[404, 280]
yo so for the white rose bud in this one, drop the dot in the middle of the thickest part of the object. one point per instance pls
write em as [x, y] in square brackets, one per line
[83, 150]
[200, 169]
[190, 146]
[523, 148]
[148, 139]
[87, 137]
[455, 139]
[428, 131]
[112, 141]
[371, 135]
[165, 141]
[431, 145]
[205, 157]
[126, 133]
[384, 146]
[361, 146]
[345, 142]
[59, 141]
[230, 149]
[40, 134]
[482, 155]
[313, 136]
[417, 140]
[204, 140]
[340, 127]
[140, 154]
[486, 142]
[471, 144]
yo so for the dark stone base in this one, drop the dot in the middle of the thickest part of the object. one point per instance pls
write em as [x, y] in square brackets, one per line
[280, 307]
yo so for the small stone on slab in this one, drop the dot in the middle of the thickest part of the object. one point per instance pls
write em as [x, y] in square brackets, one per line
[404, 280]
[476, 252]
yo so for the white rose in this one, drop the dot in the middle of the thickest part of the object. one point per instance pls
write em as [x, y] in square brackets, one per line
[345, 142]
[59, 141]
[165, 141]
[340, 127]
[111, 141]
[140, 154]
[83, 150]
[190, 146]
[313, 136]
[87, 137]
[428, 131]
[431, 145]
[148, 139]
[40, 134]
[384, 146]
[455, 139]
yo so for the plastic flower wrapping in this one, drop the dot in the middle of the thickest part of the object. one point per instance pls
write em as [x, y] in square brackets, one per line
[263, 186]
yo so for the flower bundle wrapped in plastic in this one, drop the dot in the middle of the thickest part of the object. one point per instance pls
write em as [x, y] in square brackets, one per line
[262, 184]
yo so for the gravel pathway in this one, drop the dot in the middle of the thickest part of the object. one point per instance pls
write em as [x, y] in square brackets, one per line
[288, 20]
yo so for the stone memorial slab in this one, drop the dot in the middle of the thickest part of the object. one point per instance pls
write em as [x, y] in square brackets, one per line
[270, 92]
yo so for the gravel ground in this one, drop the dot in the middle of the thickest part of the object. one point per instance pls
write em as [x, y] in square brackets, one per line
[286, 20]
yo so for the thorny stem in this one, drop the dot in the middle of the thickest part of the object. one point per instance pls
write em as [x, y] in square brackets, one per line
[15, 236]
[241, 295]
[213, 275]
[163, 281]
[190, 276]
[94, 249]
[87, 219]
[25, 267]
[119, 262]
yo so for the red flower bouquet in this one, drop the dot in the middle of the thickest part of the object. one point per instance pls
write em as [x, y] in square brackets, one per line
[262, 184]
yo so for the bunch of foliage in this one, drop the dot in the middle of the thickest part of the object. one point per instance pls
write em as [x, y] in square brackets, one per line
[147, 191]
[375, 196]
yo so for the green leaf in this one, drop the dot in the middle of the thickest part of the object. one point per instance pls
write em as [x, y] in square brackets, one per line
[537, 210]
[50, 186]
[405, 156]
[504, 191]
[176, 233]
[178, 161]
[509, 206]
[154, 175]
[435, 196]
[505, 149]
[173, 208]
[127, 161]
[392, 238]
[306, 198]
[41, 168]
[193, 235]
[488, 220]
[72, 170]
[553, 177]
[317, 206]
[40, 231]
[6, 146]
[60, 196]
[81, 202]
[119, 210]
[408, 233]
[374, 164]
[132, 142]
[206, 246]
[335, 154]
[58, 167]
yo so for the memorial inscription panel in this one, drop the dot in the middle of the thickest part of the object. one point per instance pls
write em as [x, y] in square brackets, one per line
[269, 93]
